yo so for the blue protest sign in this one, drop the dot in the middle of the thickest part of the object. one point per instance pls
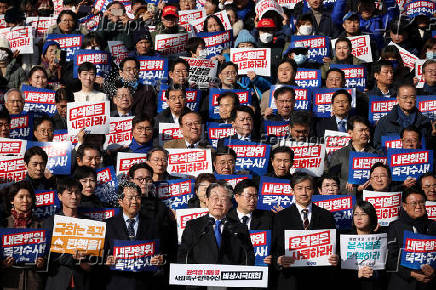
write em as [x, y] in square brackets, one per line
[302, 98]
[216, 42]
[394, 141]
[427, 106]
[308, 78]
[233, 179]
[107, 185]
[47, 203]
[39, 100]
[277, 129]
[175, 193]
[355, 75]
[418, 250]
[21, 126]
[318, 46]
[340, 206]
[68, 42]
[153, 70]
[101, 60]
[59, 155]
[134, 256]
[193, 98]
[99, 214]
[245, 97]
[379, 107]
[250, 156]
[359, 165]
[274, 192]
[322, 101]
[406, 163]
[420, 7]
[216, 131]
[24, 245]
[261, 241]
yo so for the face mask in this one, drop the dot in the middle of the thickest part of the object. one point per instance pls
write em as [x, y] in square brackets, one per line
[430, 54]
[266, 37]
[202, 54]
[300, 58]
[305, 29]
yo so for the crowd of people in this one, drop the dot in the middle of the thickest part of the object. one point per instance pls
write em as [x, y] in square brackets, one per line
[222, 235]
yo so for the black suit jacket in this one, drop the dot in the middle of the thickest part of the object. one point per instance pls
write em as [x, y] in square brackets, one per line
[260, 219]
[326, 124]
[116, 229]
[253, 138]
[199, 245]
[303, 277]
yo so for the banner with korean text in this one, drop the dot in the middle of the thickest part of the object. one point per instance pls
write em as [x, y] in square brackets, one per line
[216, 42]
[420, 7]
[46, 204]
[134, 256]
[99, 214]
[20, 38]
[335, 140]
[363, 250]
[12, 169]
[261, 241]
[39, 100]
[70, 43]
[101, 60]
[252, 59]
[202, 72]
[408, 58]
[322, 101]
[379, 107]
[340, 206]
[40, 24]
[120, 131]
[153, 70]
[427, 106]
[302, 98]
[250, 156]
[361, 47]
[216, 131]
[245, 98]
[355, 75]
[308, 157]
[12, 147]
[386, 204]
[91, 116]
[126, 160]
[405, 163]
[184, 162]
[430, 206]
[418, 250]
[274, 192]
[168, 132]
[171, 44]
[359, 165]
[193, 98]
[118, 50]
[59, 155]
[308, 78]
[185, 215]
[317, 46]
[175, 193]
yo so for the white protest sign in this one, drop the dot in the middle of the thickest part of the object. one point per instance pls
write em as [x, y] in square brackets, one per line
[308, 157]
[40, 24]
[409, 59]
[202, 71]
[183, 162]
[12, 168]
[198, 24]
[91, 116]
[386, 204]
[169, 131]
[419, 73]
[218, 275]
[126, 160]
[266, 5]
[120, 131]
[12, 147]
[118, 50]
[290, 4]
[20, 38]
[335, 140]
[171, 44]
[252, 59]
[361, 47]
[3, 22]
[430, 206]
[311, 247]
[363, 250]
[186, 214]
[187, 16]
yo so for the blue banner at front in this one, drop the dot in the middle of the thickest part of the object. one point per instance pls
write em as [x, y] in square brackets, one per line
[193, 98]
[274, 192]
[47, 203]
[261, 241]
[101, 60]
[39, 100]
[134, 256]
[245, 97]
[418, 250]
[359, 165]
[153, 70]
[175, 193]
[341, 207]
[59, 156]
[251, 156]
[355, 75]
[406, 163]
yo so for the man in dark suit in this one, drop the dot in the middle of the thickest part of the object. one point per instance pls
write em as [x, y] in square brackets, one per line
[131, 225]
[282, 159]
[213, 239]
[284, 98]
[176, 100]
[123, 100]
[301, 215]
[341, 106]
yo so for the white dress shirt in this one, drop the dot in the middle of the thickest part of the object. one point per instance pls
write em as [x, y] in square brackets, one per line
[241, 215]
[309, 214]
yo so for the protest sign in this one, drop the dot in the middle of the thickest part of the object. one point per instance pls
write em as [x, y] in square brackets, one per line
[183, 162]
[405, 163]
[185, 215]
[310, 248]
[21, 126]
[62, 136]
[202, 72]
[361, 47]
[99, 214]
[420, 7]
[216, 42]
[58, 6]
[335, 140]
[252, 60]
[39, 100]
[12, 169]
[264, 6]
[101, 60]
[152, 70]
[40, 24]
[363, 250]
[12, 147]
[386, 204]
[308, 157]
[171, 44]
[70, 43]
[46, 204]
[24, 245]
[107, 185]
[359, 165]
[175, 193]
[418, 250]
[430, 206]
[290, 4]
[3, 22]
[278, 129]
[308, 78]
[302, 98]
[322, 101]
[169, 131]
[261, 241]
[419, 73]
[91, 21]
[274, 192]
[72, 234]
[193, 98]
[355, 75]
[391, 141]
[232, 179]
[218, 276]
[20, 38]
[216, 131]
[118, 50]
[245, 98]
[59, 155]
[134, 256]
[91, 116]
[126, 160]
[120, 131]
[250, 155]
[317, 46]
[408, 58]
[379, 107]
[340, 206]
[197, 25]
[187, 16]
[427, 106]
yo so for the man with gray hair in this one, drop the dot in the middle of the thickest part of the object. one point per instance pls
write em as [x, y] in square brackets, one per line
[213, 239]
[429, 76]
[14, 101]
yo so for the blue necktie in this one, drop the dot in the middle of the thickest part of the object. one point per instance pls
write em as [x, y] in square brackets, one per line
[341, 126]
[218, 233]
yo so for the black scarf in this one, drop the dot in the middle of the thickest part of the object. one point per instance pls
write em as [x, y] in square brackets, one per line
[420, 224]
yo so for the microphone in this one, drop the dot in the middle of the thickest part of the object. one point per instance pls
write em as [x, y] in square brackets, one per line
[210, 222]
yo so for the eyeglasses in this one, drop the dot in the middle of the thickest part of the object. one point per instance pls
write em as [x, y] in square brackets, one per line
[229, 73]
[178, 72]
[192, 124]
[282, 102]
[249, 197]
[404, 98]
[174, 98]
[142, 179]
[131, 198]
[157, 160]
[360, 215]
[228, 162]
[46, 131]
[382, 176]
[144, 129]
[415, 204]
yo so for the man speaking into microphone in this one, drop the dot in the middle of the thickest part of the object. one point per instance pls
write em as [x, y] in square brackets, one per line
[212, 239]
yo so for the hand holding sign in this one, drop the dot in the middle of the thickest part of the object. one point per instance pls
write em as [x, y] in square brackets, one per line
[285, 261]
[365, 272]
